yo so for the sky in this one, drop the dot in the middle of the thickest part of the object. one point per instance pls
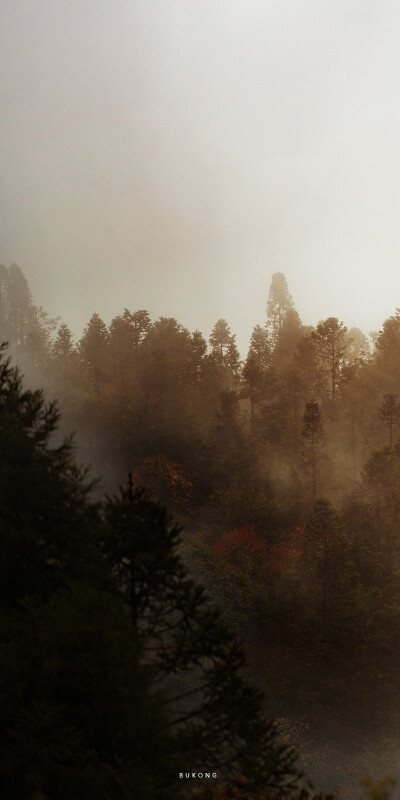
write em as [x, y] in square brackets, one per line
[173, 154]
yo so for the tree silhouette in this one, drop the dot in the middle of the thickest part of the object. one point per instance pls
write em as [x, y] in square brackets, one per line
[389, 413]
[330, 342]
[279, 303]
[314, 438]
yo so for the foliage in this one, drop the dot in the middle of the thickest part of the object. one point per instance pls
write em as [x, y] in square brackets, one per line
[247, 450]
[95, 702]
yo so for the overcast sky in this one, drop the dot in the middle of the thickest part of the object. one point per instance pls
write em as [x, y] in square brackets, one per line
[173, 154]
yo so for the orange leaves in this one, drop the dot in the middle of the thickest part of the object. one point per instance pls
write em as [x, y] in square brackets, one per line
[166, 481]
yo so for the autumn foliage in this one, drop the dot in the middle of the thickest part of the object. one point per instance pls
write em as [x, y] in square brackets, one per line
[166, 481]
[257, 556]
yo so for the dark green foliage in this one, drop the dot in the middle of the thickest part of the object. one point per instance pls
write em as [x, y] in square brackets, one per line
[96, 702]
[77, 716]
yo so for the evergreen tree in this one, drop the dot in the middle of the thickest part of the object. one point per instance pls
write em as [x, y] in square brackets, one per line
[199, 350]
[220, 338]
[260, 348]
[63, 346]
[314, 439]
[20, 307]
[139, 325]
[287, 338]
[215, 713]
[279, 303]
[388, 344]
[330, 342]
[225, 353]
[92, 350]
[253, 376]
[389, 413]
[4, 305]
[327, 555]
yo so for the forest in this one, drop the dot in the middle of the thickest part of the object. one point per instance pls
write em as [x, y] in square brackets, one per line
[237, 562]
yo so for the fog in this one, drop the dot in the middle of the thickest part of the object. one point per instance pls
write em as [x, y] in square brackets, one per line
[174, 155]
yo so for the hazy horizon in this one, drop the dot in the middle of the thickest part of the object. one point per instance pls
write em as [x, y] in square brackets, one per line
[173, 156]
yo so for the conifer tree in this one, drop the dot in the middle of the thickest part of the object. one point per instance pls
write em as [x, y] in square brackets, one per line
[279, 303]
[20, 307]
[314, 439]
[220, 338]
[389, 413]
[215, 713]
[260, 348]
[92, 350]
[330, 342]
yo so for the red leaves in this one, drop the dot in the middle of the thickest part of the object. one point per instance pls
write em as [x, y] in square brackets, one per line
[258, 556]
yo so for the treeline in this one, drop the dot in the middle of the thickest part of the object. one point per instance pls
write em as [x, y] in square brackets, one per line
[284, 470]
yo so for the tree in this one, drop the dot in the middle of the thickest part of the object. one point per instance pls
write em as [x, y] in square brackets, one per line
[139, 324]
[306, 361]
[92, 350]
[63, 353]
[288, 337]
[260, 347]
[20, 306]
[78, 715]
[388, 340]
[199, 350]
[63, 346]
[39, 336]
[166, 482]
[4, 304]
[326, 553]
[389, 413]
[381, 481]
[225, 352]
[220, 338]
[314, 439]
[330, 342]
[279, 303]
[252, 374]
[295, 387]
[358, 349]
[215, 713]
[120, 351]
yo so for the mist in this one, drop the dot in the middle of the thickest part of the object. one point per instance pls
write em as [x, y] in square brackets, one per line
[172, 157]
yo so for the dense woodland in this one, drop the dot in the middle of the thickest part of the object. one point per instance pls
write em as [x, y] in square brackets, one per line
[283, 471]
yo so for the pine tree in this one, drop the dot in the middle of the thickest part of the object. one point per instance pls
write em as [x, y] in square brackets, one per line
[20, 307]
[225, 353]
[216, 714]
[279, 303]
[260, 347]
[327, 554]
[92, 350]
[314, 439]
[389, 413]
[220, 338]
[330, 342]
[63, 346]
